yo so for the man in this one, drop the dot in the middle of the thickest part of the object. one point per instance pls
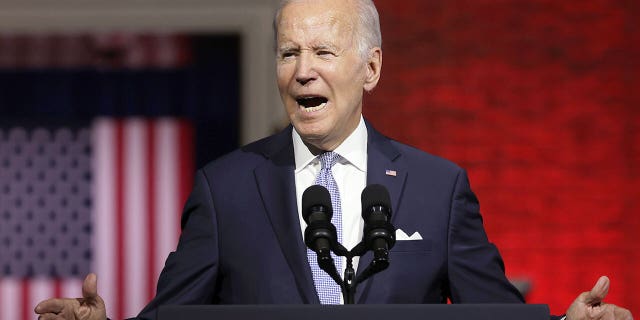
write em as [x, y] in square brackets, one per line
[242, 227]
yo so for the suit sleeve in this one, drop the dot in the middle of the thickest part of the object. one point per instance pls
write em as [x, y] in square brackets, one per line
[476, 270]
[190, 273]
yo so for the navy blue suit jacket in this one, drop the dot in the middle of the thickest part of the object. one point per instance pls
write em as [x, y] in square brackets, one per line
[241, 241]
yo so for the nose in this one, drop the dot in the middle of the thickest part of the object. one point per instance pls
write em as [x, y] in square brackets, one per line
[305, 71]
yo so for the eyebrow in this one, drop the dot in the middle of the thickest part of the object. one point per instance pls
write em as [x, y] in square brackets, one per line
[320, 46]
[288, 46]
[326, 46]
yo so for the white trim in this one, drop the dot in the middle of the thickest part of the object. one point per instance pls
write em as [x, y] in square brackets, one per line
[252, 19]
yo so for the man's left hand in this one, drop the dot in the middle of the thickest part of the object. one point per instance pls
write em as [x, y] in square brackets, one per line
[589, 305]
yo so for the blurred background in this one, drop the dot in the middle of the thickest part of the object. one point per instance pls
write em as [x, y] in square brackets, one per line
[106, 110]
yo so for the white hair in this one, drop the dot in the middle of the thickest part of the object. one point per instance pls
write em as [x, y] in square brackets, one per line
[368, 33]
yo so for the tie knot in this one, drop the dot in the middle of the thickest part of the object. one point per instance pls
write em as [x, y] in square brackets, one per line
[328, 159]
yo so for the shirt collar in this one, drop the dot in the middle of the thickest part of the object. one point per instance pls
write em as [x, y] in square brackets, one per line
[353, 149]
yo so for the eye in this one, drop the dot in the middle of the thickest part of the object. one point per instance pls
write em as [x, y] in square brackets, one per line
[325, 53]
[287, 54]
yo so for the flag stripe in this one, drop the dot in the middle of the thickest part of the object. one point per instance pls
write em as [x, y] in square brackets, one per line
[10, 299]
[135, 208]
[152, 210]
[57, 288]
[106, 238]
[38, 289]
[186, 163]
[168, 208]
[25, 294]
[72, 288]
[120, 295]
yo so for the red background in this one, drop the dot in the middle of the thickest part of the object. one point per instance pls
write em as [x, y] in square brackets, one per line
[538, 100]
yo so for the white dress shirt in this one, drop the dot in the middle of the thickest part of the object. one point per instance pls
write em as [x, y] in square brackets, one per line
[350, 173]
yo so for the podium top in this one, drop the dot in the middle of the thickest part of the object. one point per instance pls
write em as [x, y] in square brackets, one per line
[351, 312]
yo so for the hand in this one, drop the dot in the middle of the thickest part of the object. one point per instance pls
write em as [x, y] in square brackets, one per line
[89, 307]
[589, 305]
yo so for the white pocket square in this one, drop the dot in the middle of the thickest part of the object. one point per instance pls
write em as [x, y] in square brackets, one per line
[401, 235]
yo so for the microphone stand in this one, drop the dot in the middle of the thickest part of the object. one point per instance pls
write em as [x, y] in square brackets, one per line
[349, 283]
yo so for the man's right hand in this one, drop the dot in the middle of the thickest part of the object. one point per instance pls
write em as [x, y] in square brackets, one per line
[89, 307]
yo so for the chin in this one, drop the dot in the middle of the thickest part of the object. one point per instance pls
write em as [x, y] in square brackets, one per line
[311, 126]
[311, 133]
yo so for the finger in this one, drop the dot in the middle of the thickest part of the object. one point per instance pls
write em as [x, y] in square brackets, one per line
[48, 316]
[49, 306]
[598, 292]
[596, 312]
[608, 312]
[622, 314]
[83, 313]
[90, 286]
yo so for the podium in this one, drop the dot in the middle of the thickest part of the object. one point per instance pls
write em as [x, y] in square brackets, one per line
[351, 312]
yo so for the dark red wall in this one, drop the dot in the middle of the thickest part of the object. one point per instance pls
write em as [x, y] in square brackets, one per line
[539, 100]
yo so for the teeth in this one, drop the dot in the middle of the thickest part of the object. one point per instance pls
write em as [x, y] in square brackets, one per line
[316, 108]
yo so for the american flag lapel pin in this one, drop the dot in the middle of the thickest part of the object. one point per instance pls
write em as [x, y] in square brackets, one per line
[392, 173]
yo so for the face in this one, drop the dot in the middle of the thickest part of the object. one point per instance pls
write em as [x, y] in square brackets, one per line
[321, 74]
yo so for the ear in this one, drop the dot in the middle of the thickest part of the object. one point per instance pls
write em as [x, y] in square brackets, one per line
[374, 66]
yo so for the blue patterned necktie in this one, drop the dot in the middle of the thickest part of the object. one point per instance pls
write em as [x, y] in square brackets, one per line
[328, 290]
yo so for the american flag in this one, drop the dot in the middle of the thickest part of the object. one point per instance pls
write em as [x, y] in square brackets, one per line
[103, 198]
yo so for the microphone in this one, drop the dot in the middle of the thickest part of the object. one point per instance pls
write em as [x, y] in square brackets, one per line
[317, 211]
[320, 234]
[379, 233]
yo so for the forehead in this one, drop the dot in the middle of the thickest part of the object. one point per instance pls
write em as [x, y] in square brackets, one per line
[307, 21]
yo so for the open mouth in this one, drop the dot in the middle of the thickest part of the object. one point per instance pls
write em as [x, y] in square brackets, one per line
[312, 103]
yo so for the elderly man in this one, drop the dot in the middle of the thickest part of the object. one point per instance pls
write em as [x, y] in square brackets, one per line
[242, 238]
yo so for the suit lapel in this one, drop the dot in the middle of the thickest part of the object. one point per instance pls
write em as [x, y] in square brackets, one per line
[385, 166]
[276, 184]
